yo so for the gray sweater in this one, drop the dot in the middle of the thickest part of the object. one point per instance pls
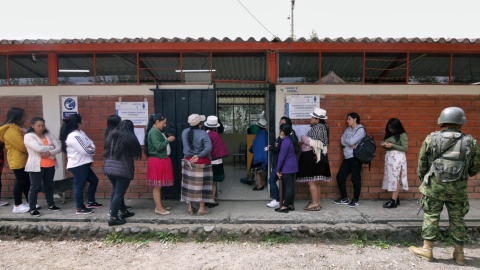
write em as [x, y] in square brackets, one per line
[202, 145]
[352, 137]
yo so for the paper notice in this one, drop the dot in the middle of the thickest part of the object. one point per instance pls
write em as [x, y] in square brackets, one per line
[140, 133]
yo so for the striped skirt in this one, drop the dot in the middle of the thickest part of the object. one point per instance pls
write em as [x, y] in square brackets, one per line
[197, 182]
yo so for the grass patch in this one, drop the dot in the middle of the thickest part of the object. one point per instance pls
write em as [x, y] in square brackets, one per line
[360, 240]
[269, 240]
[115, 238]
[229, 238]
[200, 238]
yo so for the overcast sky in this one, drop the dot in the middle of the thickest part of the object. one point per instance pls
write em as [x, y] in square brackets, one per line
[56, 19]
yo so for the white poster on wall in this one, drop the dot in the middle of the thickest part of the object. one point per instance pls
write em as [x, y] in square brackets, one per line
[301, 130]
[69, 106]
[137, 112]
[301, 106]
[140, 133]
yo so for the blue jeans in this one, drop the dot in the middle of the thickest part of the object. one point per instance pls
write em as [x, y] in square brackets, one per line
[81, 175]
[272, 181]
[119, 187]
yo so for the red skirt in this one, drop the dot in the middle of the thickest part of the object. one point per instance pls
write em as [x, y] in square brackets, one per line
[159, 172]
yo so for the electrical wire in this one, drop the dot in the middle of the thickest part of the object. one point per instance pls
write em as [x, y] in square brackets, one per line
[255, 18]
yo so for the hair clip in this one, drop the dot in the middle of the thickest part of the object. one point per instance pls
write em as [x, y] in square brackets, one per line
[68, 120]
[153, 115]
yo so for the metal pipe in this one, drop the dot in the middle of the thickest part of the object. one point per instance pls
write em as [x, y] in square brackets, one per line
[293, 5]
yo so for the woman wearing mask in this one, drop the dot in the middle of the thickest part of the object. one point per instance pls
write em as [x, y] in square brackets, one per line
[11, 133]
[42, 147]
[80, 150]
[260, 156]
[396, 144]
[313, 163]
[219, 151]
[197, 174]
[159, 168]
[350, 165]
[287, 165]
[121, 150]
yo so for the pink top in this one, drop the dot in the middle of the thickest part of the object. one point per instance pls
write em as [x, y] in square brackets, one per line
[306, 144]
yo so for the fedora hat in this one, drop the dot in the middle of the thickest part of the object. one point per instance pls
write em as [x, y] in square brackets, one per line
[195, 119]
[319, 113]
[262, 123]
[212, 122]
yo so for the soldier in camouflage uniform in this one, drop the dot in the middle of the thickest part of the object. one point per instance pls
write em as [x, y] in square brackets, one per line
[447, 158]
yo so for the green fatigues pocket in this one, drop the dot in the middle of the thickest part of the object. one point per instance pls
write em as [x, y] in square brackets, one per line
[456, 212]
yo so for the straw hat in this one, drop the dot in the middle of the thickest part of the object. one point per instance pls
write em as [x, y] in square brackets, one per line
[212, 122]
[262, 123]
[319, 113]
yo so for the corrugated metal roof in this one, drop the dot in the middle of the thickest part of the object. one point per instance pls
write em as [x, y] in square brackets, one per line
[239, 39]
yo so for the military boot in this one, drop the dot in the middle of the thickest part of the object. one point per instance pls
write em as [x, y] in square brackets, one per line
[425, 252]
[458, 254]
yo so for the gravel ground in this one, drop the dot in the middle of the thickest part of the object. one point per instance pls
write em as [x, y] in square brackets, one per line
[43, 253]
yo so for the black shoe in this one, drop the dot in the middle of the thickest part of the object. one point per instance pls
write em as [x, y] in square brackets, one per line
[212, 205]
[127, 214]
[257, 188]
[35, 213]
[93, 205]
[387, 203]
[341, 201]
[398, 201]
[116, 221]
[353, 203]
[292, 208]
[280, 210]
[54, 208]
[391, 204]
[128, 207]
[84, 211]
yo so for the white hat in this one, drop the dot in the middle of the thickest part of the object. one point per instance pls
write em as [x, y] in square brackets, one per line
[262, 123]
[195, 119]
[212, 122]
[319, 113]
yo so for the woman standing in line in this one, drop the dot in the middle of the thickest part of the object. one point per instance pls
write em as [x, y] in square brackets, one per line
[11, 133]
[287, 165]
[159, 168]
[260, 156]
[80, 150]
[313, 162]
[219, 151]
[350, 138]
[121, 150]
[42, 147]
[396, 144]
[197, 174]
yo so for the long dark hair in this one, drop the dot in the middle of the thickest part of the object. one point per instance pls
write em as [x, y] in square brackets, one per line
[122, 144]
[288, 131]
[112, 122]
[151, 120]
[397, 128]
[69, 125]
[354, 115]
[288, 121]
[35, 120]
[190, 134]
[14, 116]
[221, 128]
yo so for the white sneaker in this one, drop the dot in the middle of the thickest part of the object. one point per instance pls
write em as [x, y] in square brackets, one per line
[273, 204]
[20, 209]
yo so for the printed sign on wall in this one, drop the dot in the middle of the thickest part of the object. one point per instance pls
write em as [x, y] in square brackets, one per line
[301, 106]
[137, 112]
[69, 106]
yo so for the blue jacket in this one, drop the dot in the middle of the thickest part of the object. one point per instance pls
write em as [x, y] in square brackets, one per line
[202, 145]
[259, 144]
[287, 160]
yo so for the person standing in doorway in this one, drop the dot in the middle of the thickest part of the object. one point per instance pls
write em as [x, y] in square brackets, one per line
[121, 150]
[395, 173]
[350, 165]
[11, 133]
[197, 174]
[314, 167]
[219, 151]
[287, 165]
[80, 150]
[42, 147]
[260, 154]
[159, 169]
[446, 160]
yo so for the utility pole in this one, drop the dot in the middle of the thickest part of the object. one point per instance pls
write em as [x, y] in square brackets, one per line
[293, 5]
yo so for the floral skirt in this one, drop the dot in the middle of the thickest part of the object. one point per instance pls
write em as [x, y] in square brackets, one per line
[309, 170]
[395, 171]
[159, 172]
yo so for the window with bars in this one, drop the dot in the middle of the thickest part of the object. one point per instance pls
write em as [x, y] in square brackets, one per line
[237, 113]
[385, 68]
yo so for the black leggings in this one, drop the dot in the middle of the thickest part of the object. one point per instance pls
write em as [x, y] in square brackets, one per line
[354, 167]
[22, 185]
[289, 182]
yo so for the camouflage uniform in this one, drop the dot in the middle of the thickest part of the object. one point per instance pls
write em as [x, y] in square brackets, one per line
[452, 194]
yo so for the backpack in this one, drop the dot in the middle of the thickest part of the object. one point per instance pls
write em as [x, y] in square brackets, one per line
[365, 150]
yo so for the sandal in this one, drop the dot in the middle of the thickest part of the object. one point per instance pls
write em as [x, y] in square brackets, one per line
[314, 208]
[307, 205]
[192, 211]
[201, 213]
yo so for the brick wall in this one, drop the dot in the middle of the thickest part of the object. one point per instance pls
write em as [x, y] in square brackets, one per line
[418, 114]
[34, 108]
[95, 111]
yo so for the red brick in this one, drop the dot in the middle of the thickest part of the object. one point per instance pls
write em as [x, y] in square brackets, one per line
[470, 97]
[416, 109]
[343, 97]
[426, 103]
[398, 110]
[462, 103]
[398, 97]
[335, 103]
[362, 96]
[408, 103]
[434, 97]
[97, 97]
[415, 96]
[354, 103]
[372, 103]
[390, 103]
[381, 97]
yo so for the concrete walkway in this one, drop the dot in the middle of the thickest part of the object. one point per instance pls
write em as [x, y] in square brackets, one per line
[246, 212]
